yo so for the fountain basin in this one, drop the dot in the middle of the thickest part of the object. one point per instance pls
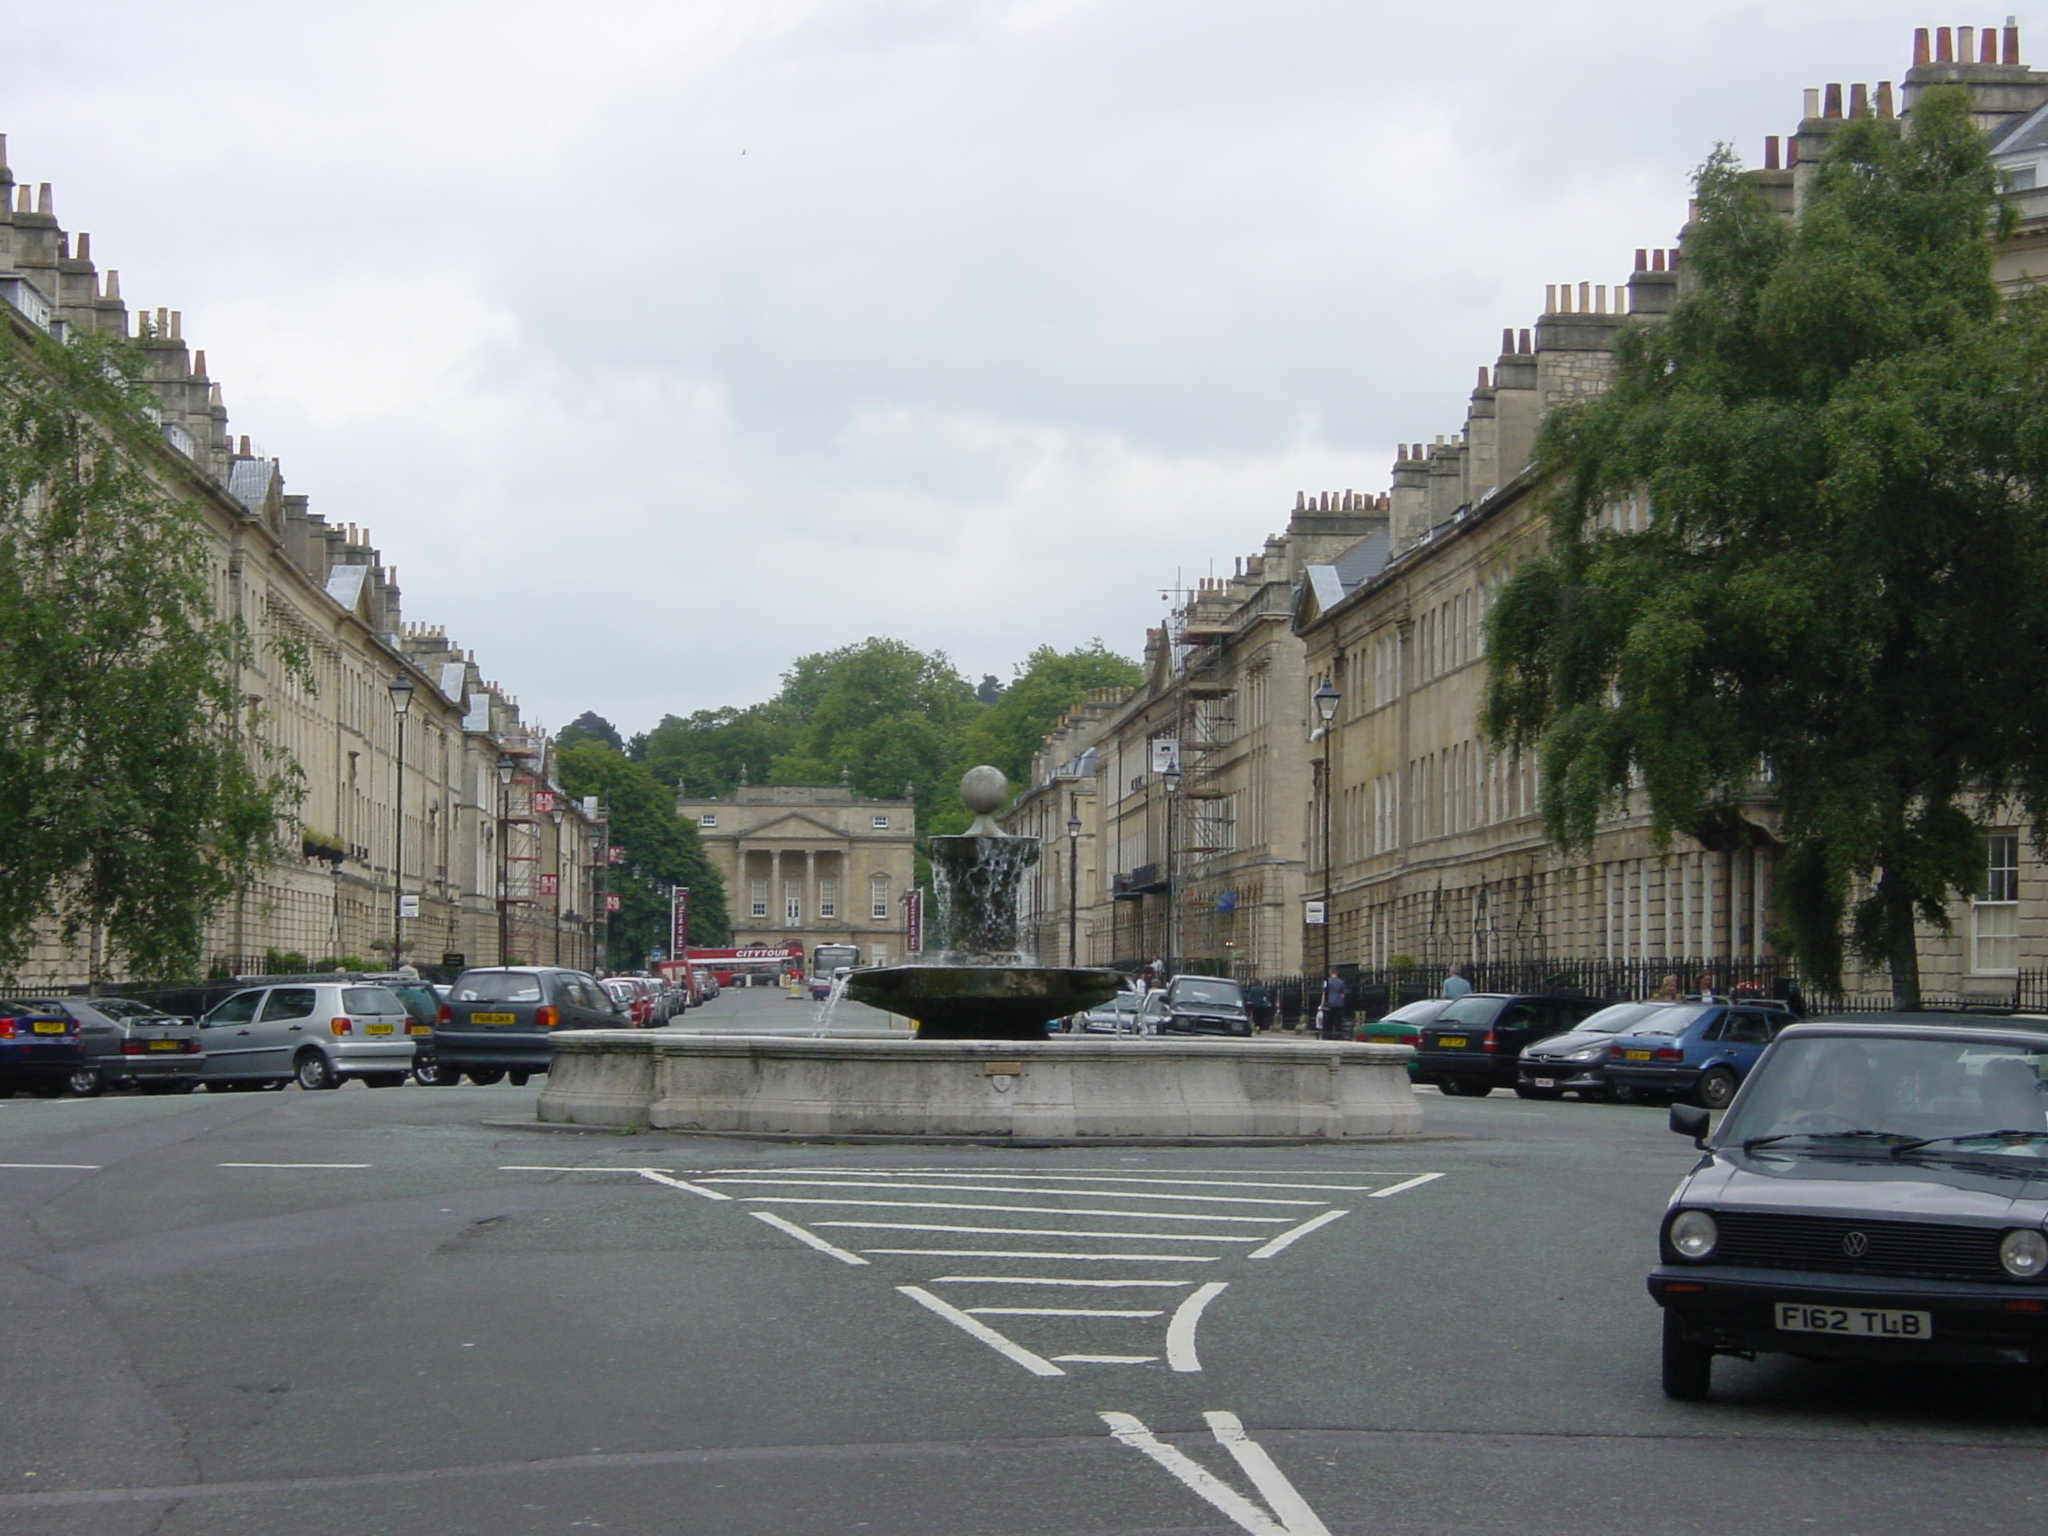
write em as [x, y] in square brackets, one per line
[1061, 1090]
[982, 1002]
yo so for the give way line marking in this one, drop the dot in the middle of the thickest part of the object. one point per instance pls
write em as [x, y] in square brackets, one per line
[1285, 1512]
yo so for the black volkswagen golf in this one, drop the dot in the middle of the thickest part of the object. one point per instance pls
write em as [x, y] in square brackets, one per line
[1876, 1190]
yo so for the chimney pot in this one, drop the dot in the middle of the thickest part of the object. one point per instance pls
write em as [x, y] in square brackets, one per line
[1657, 260]
[1770, 164]
[1507, 340]
[2012, 56]
[84, 246]
[1642, 259]
[1944, 45]
[1831, 102]
[1885, 110]
[1987, 48]
[199, 364]
[1859, 101]
[1922, 54]
[26, 205]
[1484, 381]
[1524, 348]
[1791, 153]
[1966, 43]
[43, 202]
[1550, 298]
[113, 283]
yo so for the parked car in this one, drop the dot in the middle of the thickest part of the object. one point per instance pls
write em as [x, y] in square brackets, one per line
[500, 1021]
[1877, 1191]
[39, 1047]
[422, 1001]
[631, 1000]
[1204, 1005]
[1118, 1016]
[1403, 1026]
[127, 1044]
[1576, 1061]
[1471, 1048]
[320, 1033]
[1693, 1050]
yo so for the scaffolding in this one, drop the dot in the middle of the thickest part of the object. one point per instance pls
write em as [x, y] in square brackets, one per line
[1203, 825]
[520, 851]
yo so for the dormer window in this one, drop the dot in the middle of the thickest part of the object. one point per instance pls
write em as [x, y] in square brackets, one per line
[708, 819]
[881, 823]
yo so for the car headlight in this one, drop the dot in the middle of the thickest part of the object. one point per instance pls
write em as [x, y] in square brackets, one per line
[2024, 1253]
[1591, 1053]
[1694, 1233]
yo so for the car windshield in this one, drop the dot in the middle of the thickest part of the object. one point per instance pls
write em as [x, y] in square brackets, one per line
[1122, 1003]
[1953, 1095]
[1614, 1020]
[127, 1008]
[1663, 1019]
[1471, 1010]
[370, 1000]
[1417, 1013]
[498, 987]
[1185, 991]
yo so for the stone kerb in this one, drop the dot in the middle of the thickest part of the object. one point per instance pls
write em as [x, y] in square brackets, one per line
[1056, 1089]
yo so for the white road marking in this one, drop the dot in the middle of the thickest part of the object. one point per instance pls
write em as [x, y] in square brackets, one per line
[1395, 1189]
[1029, 1210]
[1280, 1242]
[1037, 1365]
[583, 1168]
[1107, 1359]
[1239, 1178]
[1057, 1312]
[1023, 1253]
[1280, 1495]
[292, 1165]
[79, 1167]
[1180, 1332]
[1015, 1189]
[810, 1239]
[1121, 1237]
[1249, 1517]
[695, 1189]
[1022, 1280]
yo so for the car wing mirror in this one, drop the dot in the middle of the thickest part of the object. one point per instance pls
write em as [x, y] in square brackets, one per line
[1690, 1120]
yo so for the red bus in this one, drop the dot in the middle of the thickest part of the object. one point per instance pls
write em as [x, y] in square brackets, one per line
[738, 967]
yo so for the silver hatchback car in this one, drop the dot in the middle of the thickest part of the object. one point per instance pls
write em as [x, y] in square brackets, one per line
[318, 1032]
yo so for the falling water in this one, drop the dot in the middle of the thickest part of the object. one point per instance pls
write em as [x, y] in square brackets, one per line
[821, 1016]
[974, 886]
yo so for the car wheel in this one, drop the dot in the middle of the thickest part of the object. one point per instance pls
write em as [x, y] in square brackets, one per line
[483, 1077]
[1688, 1367]
[517, 1079]
[279, 1084]
[426, 1071]
[1716, 1088]
[86, 1083]
[383, 1079]
[48, 1087]
[1523, 1091]
[315, 1072]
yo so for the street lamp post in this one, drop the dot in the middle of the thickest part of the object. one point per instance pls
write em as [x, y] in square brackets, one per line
[1326, 697]
[1073, 876]
[1173, 954]
[556, 818]
[506, 768]
[400, 689]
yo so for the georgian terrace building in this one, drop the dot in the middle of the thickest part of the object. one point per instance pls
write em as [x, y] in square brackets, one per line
[1434, 851]
[501, 864]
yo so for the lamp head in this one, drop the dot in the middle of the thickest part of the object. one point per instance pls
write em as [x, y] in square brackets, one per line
[1326, 697]
[400, 689]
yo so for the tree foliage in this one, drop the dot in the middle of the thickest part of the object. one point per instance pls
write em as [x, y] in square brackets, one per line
[1840, 436]
[135, 793]
[591, 726]
[661, 850]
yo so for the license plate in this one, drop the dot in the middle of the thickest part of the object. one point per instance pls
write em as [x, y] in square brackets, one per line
[492, 1018]
[1546, 1082]
[419, 1029]
[47, 1027]
[1450, 1042]
[1635, 1055]
[376, 1029]
[1857, 1322]
[166, 1045]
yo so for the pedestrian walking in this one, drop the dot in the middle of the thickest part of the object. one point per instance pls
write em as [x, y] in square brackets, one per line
[1668, 991]
[1258, 1002]
[1455, 984]
[1330, 1018]
[1705, 984]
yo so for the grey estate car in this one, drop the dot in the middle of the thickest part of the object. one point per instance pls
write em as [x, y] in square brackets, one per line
[1875, 1191]
[499, 1021]
[318, 1033]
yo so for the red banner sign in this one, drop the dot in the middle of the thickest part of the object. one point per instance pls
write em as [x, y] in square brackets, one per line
[679, 919]
[913, 921]
[616, 854]
[545, 802]
[550, 885]
[611, 903]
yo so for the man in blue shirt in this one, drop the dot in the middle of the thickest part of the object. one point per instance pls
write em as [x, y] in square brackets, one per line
[1455, 984]
[1332, 1016]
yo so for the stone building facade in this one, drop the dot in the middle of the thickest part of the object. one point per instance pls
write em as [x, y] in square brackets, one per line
[811, 865]
[501, 864]
[1435, 852]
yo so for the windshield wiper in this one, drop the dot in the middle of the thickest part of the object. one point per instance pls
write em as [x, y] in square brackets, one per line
[1764, 1141]
[2008, 1136]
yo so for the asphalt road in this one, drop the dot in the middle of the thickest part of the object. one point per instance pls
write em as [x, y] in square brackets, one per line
[375, 1311]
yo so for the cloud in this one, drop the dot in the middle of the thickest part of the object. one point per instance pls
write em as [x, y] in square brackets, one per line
[662, 342]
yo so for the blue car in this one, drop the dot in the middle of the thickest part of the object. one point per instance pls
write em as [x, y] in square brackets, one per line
[40, 1047]
[1695, 1051]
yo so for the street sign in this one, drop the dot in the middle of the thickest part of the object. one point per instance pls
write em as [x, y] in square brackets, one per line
[1165, 754]
[454, 960]
[409, 904]
[1312, 913]
[550, 885]
[679, 918]
[611, 903]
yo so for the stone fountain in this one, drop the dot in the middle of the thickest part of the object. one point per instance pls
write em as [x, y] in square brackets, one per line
[981, 1064]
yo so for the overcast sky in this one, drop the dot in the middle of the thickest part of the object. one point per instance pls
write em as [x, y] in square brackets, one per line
[660, 343]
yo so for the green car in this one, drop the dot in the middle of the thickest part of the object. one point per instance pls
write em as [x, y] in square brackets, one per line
[1403, 1026]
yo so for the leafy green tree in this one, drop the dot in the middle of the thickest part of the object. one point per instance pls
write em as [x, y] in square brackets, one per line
[1840, 436]
[661, 850]
[591, 726]
[1049, 684]
[706, 753]
[136, 795]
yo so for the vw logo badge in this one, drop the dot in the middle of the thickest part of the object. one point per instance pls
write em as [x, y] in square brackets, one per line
[1855, 1244]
